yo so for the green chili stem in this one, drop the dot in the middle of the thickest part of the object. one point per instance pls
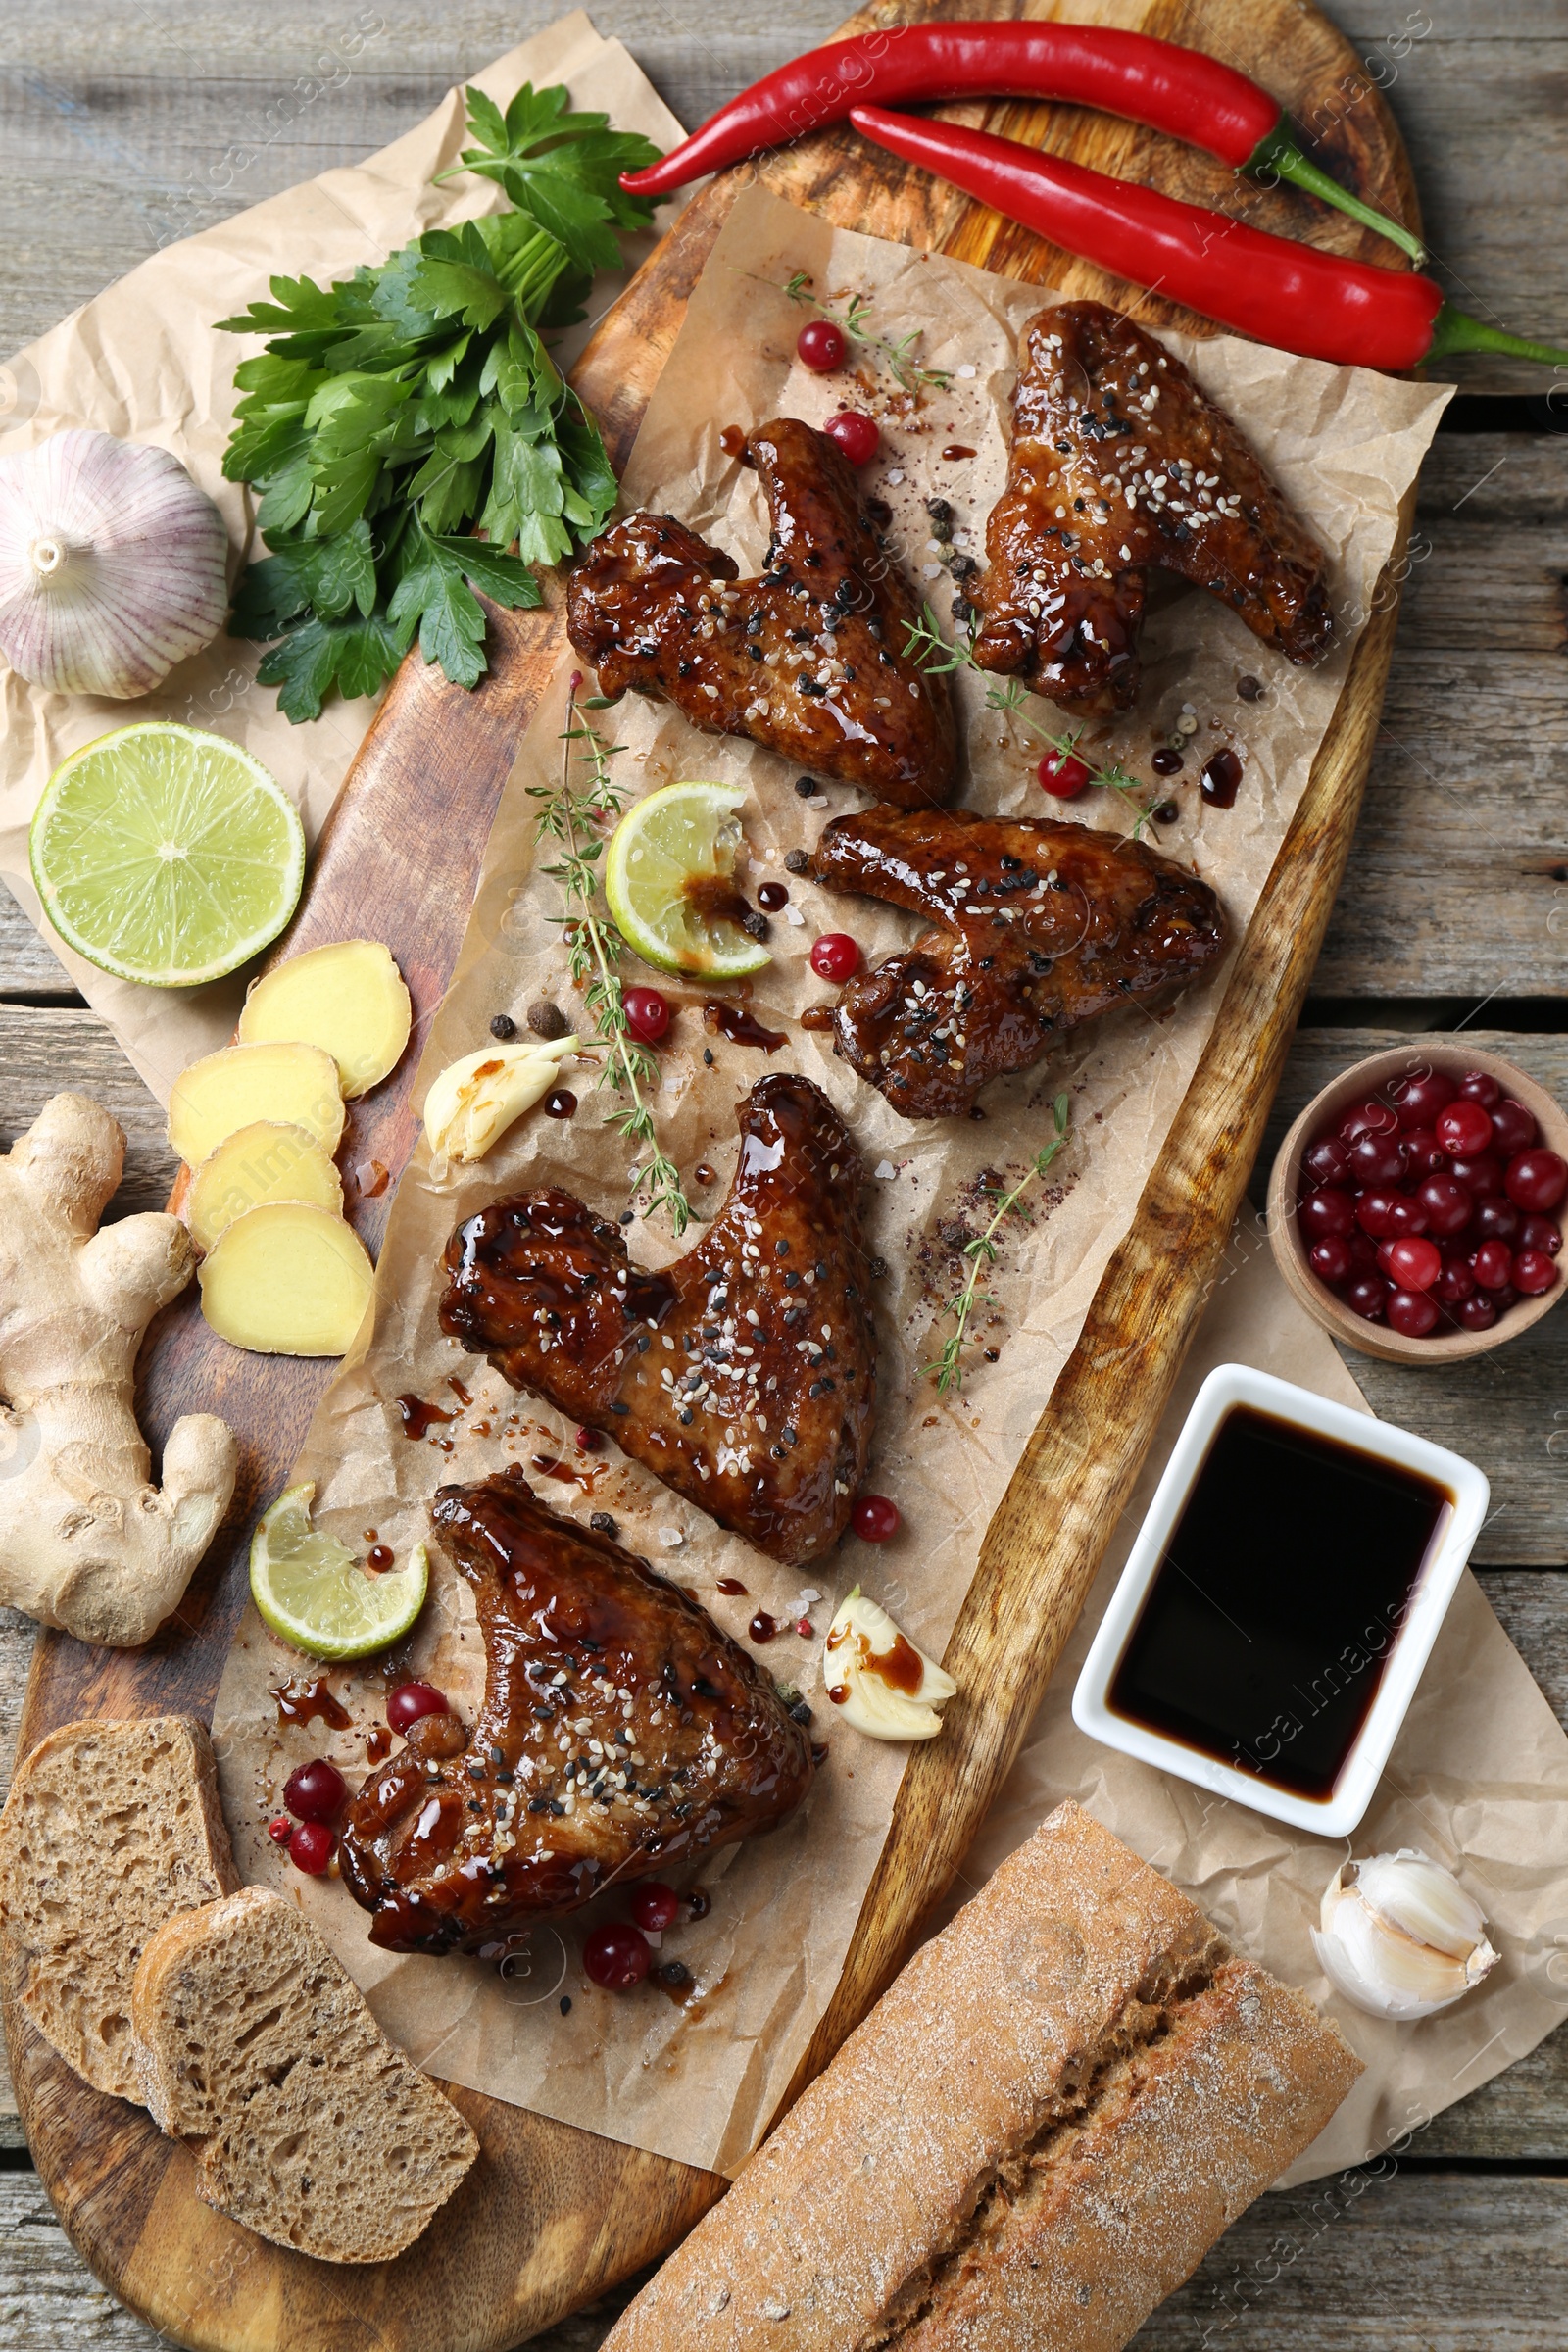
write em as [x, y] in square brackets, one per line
[1457, 330]
[1280, 153]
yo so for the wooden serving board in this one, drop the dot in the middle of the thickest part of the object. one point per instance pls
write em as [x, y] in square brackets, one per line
[551, 2216]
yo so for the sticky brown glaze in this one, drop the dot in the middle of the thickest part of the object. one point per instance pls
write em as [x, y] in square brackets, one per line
[1039, 928]
[1119, 464]
[622, 1733]
[807, 660]
[744, 1375]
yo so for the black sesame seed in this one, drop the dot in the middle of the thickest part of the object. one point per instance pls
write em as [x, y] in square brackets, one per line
[566, 2004]
[708, 1056]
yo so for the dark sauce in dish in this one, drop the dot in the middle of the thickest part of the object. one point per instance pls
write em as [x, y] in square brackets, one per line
[1263, 1636]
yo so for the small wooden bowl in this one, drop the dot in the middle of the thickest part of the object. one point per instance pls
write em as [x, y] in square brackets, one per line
[1362, 1081]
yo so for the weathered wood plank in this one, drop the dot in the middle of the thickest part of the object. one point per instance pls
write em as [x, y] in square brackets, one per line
[44, 1048]
[30, 969]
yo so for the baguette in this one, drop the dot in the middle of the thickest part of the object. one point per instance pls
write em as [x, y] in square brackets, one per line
[311, 2128]
[109, 1830]
[1054, 2111]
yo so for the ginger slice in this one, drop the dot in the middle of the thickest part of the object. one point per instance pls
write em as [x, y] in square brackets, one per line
[254, 1166]
[294, 1084]
[348, 997]
[287, 1279]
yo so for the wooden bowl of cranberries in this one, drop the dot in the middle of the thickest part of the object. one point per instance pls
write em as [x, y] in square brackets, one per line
[1416, 1207]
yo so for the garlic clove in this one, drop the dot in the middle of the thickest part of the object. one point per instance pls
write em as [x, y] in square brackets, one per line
[1399, 1937]
[473, 1103]
[876, 1677]
[112, 566]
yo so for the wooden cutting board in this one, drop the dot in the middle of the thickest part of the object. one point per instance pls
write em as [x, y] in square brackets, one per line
[551, 2216]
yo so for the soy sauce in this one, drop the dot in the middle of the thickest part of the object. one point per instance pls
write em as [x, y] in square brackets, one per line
[1263, 1638]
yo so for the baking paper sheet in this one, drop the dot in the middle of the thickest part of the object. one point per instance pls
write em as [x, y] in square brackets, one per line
[699, 2081]
[143, 360]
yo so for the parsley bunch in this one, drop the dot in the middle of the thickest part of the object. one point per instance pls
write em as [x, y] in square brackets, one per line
[394, 412]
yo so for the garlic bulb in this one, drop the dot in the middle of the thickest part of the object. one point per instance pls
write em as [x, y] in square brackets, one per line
[884, 1686]
[473, 1101]
[1399, 1937]
[112, 566]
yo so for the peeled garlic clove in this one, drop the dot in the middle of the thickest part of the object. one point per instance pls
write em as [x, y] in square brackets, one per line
[474, 1101]
[112, 566]
[1399, 1936]
[884, 1686]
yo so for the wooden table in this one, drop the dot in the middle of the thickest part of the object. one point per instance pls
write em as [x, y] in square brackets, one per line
[1454, 916]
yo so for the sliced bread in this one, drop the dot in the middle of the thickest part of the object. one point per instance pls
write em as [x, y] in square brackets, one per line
[109, 1830]
[311, 2128]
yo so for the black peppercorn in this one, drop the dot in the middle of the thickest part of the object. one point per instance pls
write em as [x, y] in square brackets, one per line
[806, 786]
[502, 1026]
[1249, 689]
[603, 1525]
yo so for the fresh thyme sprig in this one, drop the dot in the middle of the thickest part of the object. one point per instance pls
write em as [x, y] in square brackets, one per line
[925, 643]
[948, 1370]
[574, 817]
[852, 320]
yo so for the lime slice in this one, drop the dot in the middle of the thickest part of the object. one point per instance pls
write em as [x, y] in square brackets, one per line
[662, 852]
[167, 855]
[313, 1592]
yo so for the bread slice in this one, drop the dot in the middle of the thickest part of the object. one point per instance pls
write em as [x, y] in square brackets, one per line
[109, 1828]
[311, 2128]
[1037, 2135]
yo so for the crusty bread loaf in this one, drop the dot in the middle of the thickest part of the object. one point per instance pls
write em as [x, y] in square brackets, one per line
[313, 2129]
[1035, 2136]
[109, 1828]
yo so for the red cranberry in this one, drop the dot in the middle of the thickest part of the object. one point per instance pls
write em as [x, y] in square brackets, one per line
[1479, 1086]
[1496, 1220]
[589, 1441]
[1330, 1258]
[1420, 1098]
[1455, 1283]
[1411, 1313]
[654, 1908]
[1327, 1161]
[1532, 1272]
[647, 1013]
[1536, 1180]
[1368, 1118]
[1377, 1213]
[617, 1956]
[1505, 1297]
[1376, 1159]
[1491, 1264]
[1541, 1233]
[874, 1518]
[1447, 1204]
[1422, 1152]
[1463, 1128]
[821, 347]
[310, 1848]
[281, 1829]
[835, 956]
[406, 1705]
[1478, 1312]
[1064, 775]
[316, 1791]
[1330, 1209]
[1480, 1176]
[855, 434]
[1363, 1252]
[1366, 1297]
[1414, 1263]
[1513, 1128]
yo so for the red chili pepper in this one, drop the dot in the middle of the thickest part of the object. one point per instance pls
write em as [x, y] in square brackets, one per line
[1318, 304]
[1182, 91]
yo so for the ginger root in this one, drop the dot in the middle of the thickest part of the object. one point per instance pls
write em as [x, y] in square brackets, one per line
[348, 997]
[288, 1280]
[264, 1162]
[88, 1542]
[296, 1085]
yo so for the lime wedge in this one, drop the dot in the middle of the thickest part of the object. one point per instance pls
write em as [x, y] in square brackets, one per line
[661, 855]
[313, 1592]
[167, 855]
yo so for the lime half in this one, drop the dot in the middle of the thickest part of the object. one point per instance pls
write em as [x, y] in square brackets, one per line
[670, 871]
[313, 1592]
[167, 855]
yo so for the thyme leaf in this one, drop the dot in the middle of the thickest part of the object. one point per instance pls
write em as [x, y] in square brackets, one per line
[948, 1369]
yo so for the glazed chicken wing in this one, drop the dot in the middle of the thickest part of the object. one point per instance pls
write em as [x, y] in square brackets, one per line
[1120, 463]
[808, 660]
[744, 1375]
[622, 1733]
[1039, 927]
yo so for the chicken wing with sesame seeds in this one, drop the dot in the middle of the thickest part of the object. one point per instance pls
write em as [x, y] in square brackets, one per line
[622, 1733]
[809, 660]
[1039, 928]
[745, 1374]
[1118, 464]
